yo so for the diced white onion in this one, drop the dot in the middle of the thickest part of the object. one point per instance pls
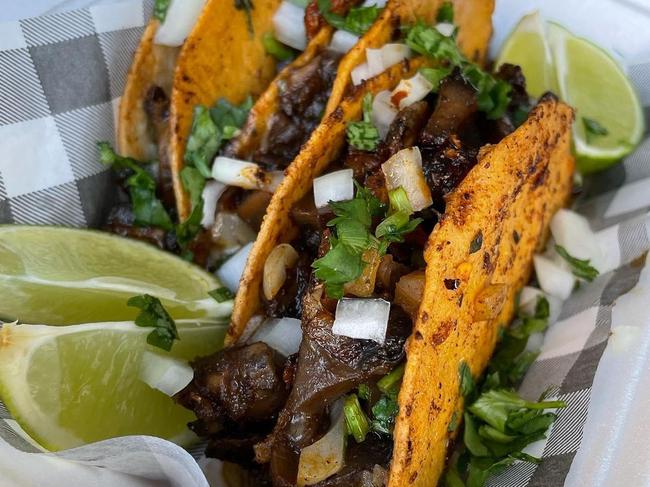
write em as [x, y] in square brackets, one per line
[552, 278]
[528, 300]
[404, 169]
[383, 112]
[335, 186]
[229, 231]
[375, 62]
[572, 231]
[289, 25]
[535, 342]
[394, 53]
[281, 334]
[446, 28]
[244, 174]
[375, 3]
[343, 41]
[211, 193]
[179, 21]
[365, 319]
[281, 258]
[166, 374]
[412, 90]
[326, 457]
[359, 74]
[231, 271]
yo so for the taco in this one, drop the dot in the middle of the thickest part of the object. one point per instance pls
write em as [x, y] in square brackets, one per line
[391, 253]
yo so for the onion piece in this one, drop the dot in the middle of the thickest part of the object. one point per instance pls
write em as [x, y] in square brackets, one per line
[374, 3]
[446, 28]
[335, 186]
[392, 54]
[404, 169]
[411, 90]
[342, 41]
[553, 279]
[179, 22]
[364, 285]
[375, 62]
[281, 258]
[211, 193]
[289, 25]
[166, 374]
[325, 457]
[281, 334]
[229, 231]
[365, 319]
[572, 231]
[231, 271]
[360, 73]
[244, 174]
[528, 300]
[383, 112]
[409, 292]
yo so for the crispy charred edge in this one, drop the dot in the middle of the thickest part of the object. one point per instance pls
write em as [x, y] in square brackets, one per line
[322, 149]
[518, 184]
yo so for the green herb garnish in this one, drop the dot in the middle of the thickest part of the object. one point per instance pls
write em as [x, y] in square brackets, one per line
[493, 95]
[147, 208]
[399, 222]
[467, 385]
[221, 294]
[384, 413]
[160, 8]
[446, 13]
[356, 421]
[580, 268]
[358, 20]
[154, 315]
[593, 128]
[436, 75]
[390, 383]
[476, 243]
[363, 135]
[276, 49]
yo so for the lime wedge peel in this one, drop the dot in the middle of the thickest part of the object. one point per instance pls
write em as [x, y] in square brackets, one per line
[63, 399]
[66, 276]
[587, 78]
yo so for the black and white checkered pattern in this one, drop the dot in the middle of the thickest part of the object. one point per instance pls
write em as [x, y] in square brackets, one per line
[60, 81]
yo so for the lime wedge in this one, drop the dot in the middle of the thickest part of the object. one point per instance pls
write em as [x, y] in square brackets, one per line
[609, 117]
[528, 48]
[71, 385]
[63, 276]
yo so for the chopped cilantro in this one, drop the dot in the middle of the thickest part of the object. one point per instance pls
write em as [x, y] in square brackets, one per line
[193, 182]
[384, 412]
[160, 8]
[493, 94]
[399, 222]
[593, 128]
[446, 13]
[188, 229]
[147, 208]
[476, 243]
[580, 268]
[356, 421]
[276, 49]
[363, 391]
[467, 385]
[155, 316]
[453, 423]
[337, 267]
[363, 135]
[357, 21]
[436, 75]
[221, 294]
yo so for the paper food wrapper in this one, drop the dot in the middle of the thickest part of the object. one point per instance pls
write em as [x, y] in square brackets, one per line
[61, 77]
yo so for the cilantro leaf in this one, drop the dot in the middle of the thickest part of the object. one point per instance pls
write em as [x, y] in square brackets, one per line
[147, 208]
[221, 294]
[593, 129]
[276, 49]
[363, 135]
[467, 384]
[337, 267]
[493, 94]
[204, 141]
[580, 268]
[357, 21]
[384, 412]
[186, 230]
[446, 13]
[155, 316]
[160, 8]
[436, 75]
[399, 222]
[194, 182]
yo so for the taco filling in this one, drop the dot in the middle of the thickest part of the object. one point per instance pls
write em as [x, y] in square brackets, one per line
[308, 396]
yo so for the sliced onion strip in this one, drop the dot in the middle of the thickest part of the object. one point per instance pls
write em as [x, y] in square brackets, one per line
[281, 258]
[409, 292]
[244, 174]
[211, 193]
[404, 169]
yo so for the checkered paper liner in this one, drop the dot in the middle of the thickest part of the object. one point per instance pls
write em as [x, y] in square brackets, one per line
[61, 77]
